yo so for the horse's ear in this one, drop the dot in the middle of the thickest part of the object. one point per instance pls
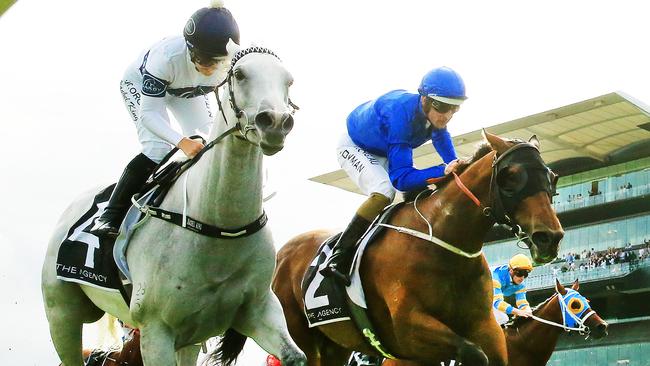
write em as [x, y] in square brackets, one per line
[496, 142]
[576, 285]
[534, 140]
[559, 288]
[232, 48]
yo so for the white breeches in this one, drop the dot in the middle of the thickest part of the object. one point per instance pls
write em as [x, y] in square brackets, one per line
[369, 172]
[192, 114]
[501, 317]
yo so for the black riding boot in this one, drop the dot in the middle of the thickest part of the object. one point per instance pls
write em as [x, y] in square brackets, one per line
[133, 178]
[339, 263]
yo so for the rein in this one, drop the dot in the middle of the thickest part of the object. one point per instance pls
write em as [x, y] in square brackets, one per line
[488, 211]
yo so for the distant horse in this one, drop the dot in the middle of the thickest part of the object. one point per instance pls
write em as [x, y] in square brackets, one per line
[430, 300]
[531, 341]
[188, 287]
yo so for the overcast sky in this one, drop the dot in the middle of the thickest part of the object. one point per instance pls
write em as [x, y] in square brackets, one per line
[65, 129]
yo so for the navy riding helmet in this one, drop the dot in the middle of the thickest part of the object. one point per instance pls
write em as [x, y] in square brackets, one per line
[443, 84]
[209, 29]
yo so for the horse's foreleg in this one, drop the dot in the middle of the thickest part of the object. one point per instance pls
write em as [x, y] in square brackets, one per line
[426, 340]
[157, 345]
[489, 335]
[187, 356]
[264, 322]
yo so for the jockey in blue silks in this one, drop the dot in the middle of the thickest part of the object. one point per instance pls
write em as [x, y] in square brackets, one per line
[508, 280]
[377, 151]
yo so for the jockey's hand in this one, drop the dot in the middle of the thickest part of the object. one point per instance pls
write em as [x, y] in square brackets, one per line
[451, 167]
[524, 313]
[190, 147]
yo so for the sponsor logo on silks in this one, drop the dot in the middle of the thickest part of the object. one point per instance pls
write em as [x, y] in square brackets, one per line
[354, 161]
[152, 86]
[190, 27]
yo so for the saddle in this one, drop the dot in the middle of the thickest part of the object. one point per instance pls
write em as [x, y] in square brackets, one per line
[327, 301]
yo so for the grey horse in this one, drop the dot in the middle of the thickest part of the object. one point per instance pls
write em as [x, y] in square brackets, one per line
[188, 287]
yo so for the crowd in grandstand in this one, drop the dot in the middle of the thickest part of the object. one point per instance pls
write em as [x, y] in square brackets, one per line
[590, 259]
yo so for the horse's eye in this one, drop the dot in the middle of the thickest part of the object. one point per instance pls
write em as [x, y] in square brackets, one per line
[512, 179]
[290, 82]
[239, 75]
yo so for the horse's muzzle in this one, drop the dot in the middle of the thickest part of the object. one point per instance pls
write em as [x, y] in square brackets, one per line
[546, 243]
[273, 127]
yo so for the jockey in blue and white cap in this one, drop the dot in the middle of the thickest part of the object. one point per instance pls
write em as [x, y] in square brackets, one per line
[377, 150]
[174, 74]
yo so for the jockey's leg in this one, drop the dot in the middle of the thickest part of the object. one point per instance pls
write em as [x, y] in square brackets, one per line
[264, 322]
[426, 340]
[130, 183]
[157, 345]
[339, 262]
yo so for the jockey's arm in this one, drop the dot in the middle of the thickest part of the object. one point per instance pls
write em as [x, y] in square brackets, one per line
[521, 301]
[497, 300]
[154, 118]
[442, 142]
[403, 175]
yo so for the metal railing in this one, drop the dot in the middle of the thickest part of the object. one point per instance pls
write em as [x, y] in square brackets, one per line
[585, 275]
[599, 199]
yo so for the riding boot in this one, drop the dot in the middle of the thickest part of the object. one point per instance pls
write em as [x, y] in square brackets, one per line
[133, 178]
[339, 263]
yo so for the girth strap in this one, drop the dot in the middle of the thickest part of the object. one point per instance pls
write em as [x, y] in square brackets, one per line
[203, 228]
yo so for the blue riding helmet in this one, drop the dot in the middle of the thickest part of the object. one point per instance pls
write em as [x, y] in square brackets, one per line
[443, 84]
[209, 29]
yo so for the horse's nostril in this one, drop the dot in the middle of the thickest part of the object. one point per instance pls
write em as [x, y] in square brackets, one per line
[602, 328]
[287, 123]
[264, 120]
[546, 238]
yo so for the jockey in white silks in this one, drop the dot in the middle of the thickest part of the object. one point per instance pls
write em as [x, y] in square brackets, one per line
[176, 74]
[508, 280]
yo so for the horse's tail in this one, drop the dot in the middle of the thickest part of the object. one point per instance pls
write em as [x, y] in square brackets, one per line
[108, 332]
[229, 347]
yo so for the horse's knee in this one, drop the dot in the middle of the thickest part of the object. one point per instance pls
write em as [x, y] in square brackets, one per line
[470, 354]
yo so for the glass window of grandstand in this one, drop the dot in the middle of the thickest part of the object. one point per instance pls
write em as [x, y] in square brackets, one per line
[601, 190]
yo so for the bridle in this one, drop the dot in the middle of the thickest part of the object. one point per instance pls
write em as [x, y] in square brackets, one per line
[496, 208]
[571, 321]
[249, 124]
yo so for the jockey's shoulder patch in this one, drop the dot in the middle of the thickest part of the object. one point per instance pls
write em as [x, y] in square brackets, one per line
[153, 86]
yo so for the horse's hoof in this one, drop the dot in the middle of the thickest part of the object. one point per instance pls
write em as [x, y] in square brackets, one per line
[470, 354]
[293, 358]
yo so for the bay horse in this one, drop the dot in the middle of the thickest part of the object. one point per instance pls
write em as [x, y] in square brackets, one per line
[531, 341]
[430, 303]
[188, 287]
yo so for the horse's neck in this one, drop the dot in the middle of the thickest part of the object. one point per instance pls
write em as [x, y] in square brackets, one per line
[226, 184]
[452, 212]
[539, 336]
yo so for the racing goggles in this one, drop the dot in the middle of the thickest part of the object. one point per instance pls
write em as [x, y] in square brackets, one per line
[521, 273]
[442, 107]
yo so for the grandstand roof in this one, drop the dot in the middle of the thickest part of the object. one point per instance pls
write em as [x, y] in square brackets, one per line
[606, 130]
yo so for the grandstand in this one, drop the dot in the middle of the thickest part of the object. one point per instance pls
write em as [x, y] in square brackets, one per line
[601, 149]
